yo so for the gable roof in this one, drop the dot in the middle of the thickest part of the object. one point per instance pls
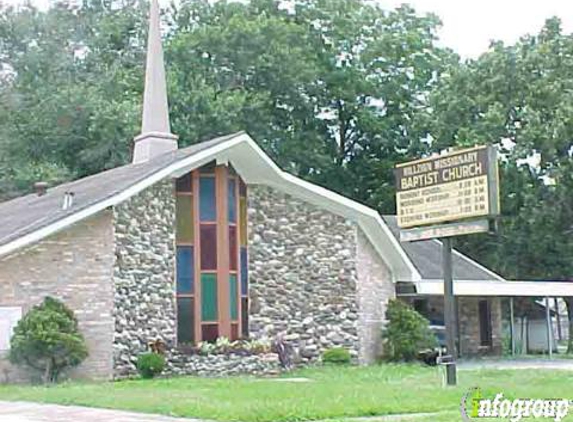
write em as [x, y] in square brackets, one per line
[426, 255]
[31, 218]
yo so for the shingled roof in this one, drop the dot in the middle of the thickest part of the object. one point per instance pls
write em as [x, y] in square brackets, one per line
[426, 255]
[31, 213]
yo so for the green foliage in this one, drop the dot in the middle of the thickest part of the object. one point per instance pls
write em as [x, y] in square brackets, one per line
[48, 340]
[406, 333]
[149, 365]
[336, 356]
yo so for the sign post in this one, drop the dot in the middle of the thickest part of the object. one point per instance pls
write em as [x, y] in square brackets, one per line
[449, 309]
[445, 196]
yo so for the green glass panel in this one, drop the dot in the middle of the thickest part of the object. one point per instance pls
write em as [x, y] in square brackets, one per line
[185, 218]
[208, 297]
[233, 300]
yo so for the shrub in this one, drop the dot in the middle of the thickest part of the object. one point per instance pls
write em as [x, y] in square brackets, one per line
[151, 364]
[407, 332]
[337, 356]
[47, 339]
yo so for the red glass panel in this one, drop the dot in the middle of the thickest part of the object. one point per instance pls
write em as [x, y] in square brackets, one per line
[233, 248]
[210, 332]
[183, 184]
[208, 247]
[234, 332]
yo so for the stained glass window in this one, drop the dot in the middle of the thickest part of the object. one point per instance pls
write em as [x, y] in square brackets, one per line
[208, 297]
[185, 218]
[233, 297]
[185, 320]
[243, 220]
[185, 269]
[210, 332]
[244, 317]
[183, 184]
[207, 200]
[244, 272]
[208, 247]
[233, 248]
[232, 201]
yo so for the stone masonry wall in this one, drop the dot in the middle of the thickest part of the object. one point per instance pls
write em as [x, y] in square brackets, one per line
[302, 274]
[375, 289]
[76, 267]
[144, 274]
[468, 314]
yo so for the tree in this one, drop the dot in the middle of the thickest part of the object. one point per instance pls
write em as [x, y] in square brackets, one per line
[520, 98]
[48, 340]
[407, 333]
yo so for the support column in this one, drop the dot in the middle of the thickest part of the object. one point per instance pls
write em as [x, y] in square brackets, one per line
[549, 328]
[449, 309]
[512, 326]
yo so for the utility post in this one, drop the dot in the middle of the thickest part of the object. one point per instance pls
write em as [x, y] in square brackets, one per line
[449, 309]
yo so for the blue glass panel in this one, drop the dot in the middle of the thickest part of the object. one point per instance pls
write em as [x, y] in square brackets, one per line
[232, 199]
[185, 269]
[207, 203]
[244, 272]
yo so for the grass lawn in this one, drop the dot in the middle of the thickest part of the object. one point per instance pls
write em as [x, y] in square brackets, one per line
[332, 392]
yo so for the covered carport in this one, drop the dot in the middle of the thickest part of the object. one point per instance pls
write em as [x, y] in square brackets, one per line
[478, 291]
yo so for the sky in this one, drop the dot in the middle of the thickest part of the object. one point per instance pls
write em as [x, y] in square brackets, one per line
[470, 25]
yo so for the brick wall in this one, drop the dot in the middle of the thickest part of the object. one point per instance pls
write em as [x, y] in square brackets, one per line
[74, 266]
[375, 289]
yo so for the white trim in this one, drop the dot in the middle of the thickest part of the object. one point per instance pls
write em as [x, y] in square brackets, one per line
[368, 219]
[498, 288]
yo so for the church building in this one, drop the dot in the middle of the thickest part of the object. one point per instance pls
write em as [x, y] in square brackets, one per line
[213, 240]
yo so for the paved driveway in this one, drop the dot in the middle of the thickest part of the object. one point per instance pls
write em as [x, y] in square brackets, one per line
[32, 412]
[531, 363]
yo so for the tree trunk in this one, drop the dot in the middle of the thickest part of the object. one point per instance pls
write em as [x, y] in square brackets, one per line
[569, 303]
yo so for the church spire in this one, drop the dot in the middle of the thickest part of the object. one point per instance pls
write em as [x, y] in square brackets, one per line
[156, 137]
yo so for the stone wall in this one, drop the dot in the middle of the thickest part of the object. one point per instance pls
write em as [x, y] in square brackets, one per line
[468, 314]
[302, 274]
[375, 289]
[221, 365]
[144, 274]
[76, 267]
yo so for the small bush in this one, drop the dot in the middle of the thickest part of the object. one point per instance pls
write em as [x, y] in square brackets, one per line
[336, 356]
[149, 365]
[48, 340]
[406, 334]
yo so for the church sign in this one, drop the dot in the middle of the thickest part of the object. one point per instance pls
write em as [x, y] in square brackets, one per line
[457, 186]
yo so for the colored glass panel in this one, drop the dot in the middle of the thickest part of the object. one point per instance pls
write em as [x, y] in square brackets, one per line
[244, 317]
[207, 201]
[233, 297]
[232, 200]
[185, 269]
[208, 168]
[243, 220]
[208, 297]
[185, 218]
[242, 188]
[183, 184]
[244, 272]
[208, 247]
[210, 332]
[233, 248]
[234, 332]
[185, 320]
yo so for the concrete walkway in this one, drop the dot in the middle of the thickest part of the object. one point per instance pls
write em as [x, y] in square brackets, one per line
[35, 412]
[554, 364]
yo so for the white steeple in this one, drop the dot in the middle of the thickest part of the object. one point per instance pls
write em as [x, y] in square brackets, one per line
[156, 137]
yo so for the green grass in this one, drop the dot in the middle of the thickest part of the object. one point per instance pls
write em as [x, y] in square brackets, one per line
[333, 392]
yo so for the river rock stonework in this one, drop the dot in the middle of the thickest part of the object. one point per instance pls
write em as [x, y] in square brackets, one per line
[144, 274]
[302, 274]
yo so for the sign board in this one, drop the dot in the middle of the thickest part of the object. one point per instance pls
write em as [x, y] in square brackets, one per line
[457, 186]
[444, 230]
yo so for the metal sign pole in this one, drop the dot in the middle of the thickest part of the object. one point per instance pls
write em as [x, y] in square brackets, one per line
[449, 310]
